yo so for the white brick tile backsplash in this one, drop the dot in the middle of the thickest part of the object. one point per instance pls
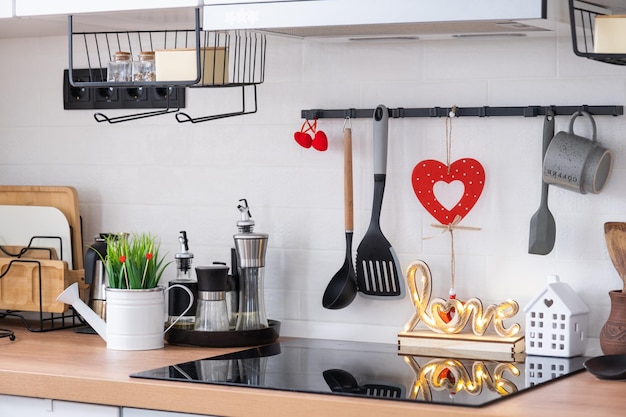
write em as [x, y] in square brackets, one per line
[162, 176]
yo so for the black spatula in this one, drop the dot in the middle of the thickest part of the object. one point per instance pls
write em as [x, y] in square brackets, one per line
[377, 268]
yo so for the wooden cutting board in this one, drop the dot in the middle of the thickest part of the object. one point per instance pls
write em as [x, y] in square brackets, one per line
[20, 224]
[20, 286]
[32, 253]
[62, 197]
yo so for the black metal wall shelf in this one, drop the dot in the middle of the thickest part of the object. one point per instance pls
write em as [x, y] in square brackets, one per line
[223, 59]
[485, 111]
[582, 22]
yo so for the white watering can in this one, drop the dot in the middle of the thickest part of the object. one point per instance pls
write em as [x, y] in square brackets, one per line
[135, 318]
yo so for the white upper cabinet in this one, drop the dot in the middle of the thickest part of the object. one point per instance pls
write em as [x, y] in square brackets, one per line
[49, 17]
[49, 7]
[225, 14]
[213, 2]
[6, 8]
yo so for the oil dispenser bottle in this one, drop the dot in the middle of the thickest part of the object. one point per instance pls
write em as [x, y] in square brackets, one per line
[250, 248]
[184, 259]
[178, 299]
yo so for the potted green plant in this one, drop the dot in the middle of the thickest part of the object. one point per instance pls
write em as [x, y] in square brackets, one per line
[135, 302]
[133, 261]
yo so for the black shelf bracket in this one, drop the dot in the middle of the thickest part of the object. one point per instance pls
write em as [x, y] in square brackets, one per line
[484, 111]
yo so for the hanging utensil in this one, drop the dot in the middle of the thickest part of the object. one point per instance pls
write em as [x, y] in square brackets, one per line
[342, 288]
[340, 380]
[615, 236]
[377, 270]
[542, 224]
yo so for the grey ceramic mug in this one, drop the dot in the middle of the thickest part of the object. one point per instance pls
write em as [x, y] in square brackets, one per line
[577, 163]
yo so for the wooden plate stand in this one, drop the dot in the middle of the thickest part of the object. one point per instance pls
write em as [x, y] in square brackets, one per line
[31, 280]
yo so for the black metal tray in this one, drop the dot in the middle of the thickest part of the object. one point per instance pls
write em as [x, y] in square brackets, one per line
[229, 338]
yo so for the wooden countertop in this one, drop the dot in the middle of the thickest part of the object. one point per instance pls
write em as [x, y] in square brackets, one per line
[70, 366]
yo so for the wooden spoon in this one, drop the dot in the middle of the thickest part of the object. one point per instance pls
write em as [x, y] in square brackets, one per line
[615, 235]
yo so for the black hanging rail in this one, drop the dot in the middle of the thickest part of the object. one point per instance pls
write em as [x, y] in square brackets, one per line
[485, 111]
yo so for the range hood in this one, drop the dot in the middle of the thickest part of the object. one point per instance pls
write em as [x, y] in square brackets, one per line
[367, 19]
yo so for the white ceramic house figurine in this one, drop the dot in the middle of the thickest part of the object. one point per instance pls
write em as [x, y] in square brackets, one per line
[540, 369]
[556, 321]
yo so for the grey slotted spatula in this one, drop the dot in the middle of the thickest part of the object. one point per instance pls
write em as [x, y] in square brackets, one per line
[377, 268]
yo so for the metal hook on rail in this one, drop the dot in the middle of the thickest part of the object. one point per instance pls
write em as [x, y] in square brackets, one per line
[347, 123]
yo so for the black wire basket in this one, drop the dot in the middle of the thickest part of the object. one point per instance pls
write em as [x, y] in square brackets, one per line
[582, 23]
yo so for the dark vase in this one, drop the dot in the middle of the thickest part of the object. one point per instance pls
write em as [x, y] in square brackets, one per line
[613, 333]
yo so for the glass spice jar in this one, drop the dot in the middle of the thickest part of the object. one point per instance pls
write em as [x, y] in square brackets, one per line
[143, 68]
[119, 69]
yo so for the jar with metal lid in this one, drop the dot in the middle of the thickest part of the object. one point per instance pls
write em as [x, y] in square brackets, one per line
[212, 312]
[143, 68]
[119, 69]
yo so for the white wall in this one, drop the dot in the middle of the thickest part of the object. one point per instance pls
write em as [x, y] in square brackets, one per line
[160, 176]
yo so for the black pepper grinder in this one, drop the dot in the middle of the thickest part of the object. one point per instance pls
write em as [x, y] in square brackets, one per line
[212, 314]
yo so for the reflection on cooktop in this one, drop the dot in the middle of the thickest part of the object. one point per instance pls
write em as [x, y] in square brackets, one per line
[370, 370]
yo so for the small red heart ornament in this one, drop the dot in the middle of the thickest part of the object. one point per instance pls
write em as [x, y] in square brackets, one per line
[429, 172]
[446, 374]
[303, 139]
[320, 141]
[446, 316]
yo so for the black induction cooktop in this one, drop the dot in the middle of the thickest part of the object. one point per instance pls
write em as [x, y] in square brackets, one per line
[370, 370]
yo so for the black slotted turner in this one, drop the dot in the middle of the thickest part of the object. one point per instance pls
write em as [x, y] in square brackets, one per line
[377, 267]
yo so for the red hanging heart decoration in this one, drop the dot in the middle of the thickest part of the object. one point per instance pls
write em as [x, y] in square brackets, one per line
[446, 374]
[303, 139]
[320, 141]
[429, 172]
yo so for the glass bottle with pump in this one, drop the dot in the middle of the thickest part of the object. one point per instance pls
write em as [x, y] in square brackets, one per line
[178, 300]
[250, 248]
